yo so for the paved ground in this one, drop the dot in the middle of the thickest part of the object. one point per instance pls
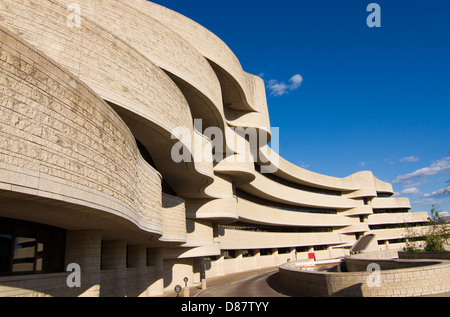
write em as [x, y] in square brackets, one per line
[258, 283]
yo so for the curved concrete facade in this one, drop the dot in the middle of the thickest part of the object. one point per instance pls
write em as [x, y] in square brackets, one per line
[111, 113]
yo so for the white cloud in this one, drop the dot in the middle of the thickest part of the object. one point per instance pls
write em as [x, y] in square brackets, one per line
[437, 194]
[280, 88]
[437, 167]
[410, 159]
[426, 202]
[434, 198]
[410, 184]
[411, 191]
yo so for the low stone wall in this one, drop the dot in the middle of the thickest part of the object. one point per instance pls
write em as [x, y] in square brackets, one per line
[396, 278]
[424, 255]
[360, 265]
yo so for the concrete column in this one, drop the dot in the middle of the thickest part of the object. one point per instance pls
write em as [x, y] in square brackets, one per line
[114, 255]
[137, 256]
[203, 272]
[275, 257]
[257, 255]
[219, 265]
[84, 249]
[238, 260]
[156, 260]
[114, 264]
[330, 252]
[138, 276]
[292, 254]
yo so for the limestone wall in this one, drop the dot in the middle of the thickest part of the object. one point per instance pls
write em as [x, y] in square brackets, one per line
[61, 142]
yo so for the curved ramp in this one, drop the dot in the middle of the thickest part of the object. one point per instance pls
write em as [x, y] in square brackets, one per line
[362, 244]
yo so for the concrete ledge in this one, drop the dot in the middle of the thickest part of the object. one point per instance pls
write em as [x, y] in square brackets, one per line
[424, 255]
[397, 278]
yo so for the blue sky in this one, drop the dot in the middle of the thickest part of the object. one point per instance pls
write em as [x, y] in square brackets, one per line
[362, 98]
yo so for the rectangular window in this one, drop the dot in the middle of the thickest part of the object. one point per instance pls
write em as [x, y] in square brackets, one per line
[5, 246]
[27, 247]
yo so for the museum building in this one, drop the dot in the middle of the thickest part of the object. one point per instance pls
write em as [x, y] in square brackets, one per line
[135, 146]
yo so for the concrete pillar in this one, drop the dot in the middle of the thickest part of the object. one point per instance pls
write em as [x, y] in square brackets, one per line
[84, 248]
[238, 259]
[257, 255]
[200, 271]
[155, 259]
[139, 278]
[292, 254]
[275, 257]
[114, 264]
[219, 265]
[137, 256]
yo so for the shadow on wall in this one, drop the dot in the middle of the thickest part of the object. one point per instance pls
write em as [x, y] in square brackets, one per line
[351, 291]
[274, 282]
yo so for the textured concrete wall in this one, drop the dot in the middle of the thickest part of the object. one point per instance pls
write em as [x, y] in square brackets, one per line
[412, 280]
[60, 142]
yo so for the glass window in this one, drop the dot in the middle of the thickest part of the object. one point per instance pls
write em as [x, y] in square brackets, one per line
[27, 247]
[5, 246]
[24, 248]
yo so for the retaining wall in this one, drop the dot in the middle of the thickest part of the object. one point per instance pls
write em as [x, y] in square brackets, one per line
[397, 278]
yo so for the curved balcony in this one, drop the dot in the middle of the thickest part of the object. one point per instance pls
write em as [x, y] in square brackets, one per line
[358, 211]
[268, 189]
[356, 227]
[397, 218]
[255, 213]
[242, 240]
[290, 172]
[174, 219]
[249, 87]
[390, 202]
[219, 210]
[162, 46]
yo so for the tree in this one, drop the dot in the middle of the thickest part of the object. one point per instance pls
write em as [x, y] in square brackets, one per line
[439, 234]
[436, 234]
[411, 238]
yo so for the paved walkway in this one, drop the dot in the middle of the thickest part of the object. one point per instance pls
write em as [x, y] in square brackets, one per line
[265, 279]
[257, 283]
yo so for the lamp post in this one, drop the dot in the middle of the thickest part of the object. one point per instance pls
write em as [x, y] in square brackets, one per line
[186, 292]
[178, 290]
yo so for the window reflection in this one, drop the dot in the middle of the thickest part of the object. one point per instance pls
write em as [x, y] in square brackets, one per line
[27, 247]
[5, 246]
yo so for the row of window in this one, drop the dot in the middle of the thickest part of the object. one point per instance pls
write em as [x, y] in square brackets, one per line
[232, 254]
[390, 211]
[310, 189]
[267, 228]
[397, 225]
[257, 200]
